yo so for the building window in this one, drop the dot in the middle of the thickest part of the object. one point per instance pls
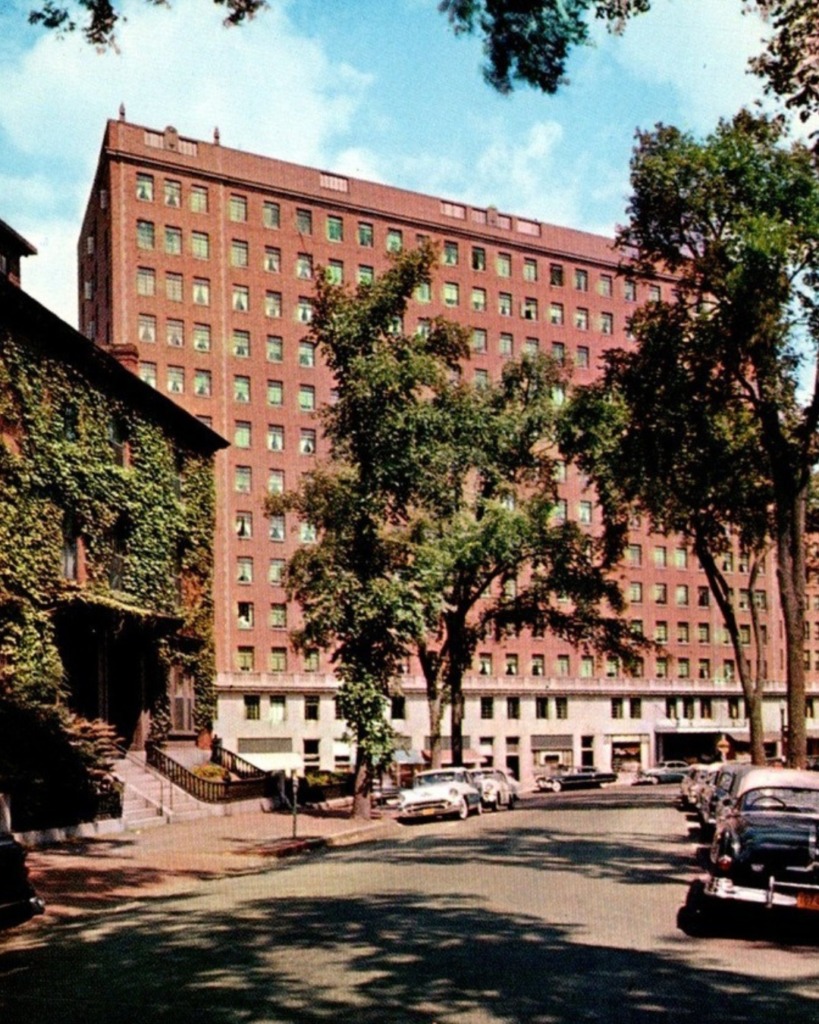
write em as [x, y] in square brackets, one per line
[366, 275]
[145, 188]
[201, 291]
[450, 294]
[304, 222]
[201, 337]
[307, 398]
[240, 298]
[202, 383]
[173, 241]
[147, 373]
[506, 345]
[307, 533]
[311, 660]
[334, 272]
[335, 229]
[278, 616]
[241, 389]
[304, 310]
[556, 314]
[581, 319]
[146, 281]
[449, 256]
[278, 709]
[683, 633]
[271, 214]
[278, 660]
[503, 264]
[237, 209]
[275, 481]
[562, 665]
[398, 707]
[175, 333]
[176, 380]
[244, 615]
[616, 707]
[311, 708]
[173, 193]
[528, 309]
[606, 323]
[513, 707]
[584, 512]
[530, 270]
[654, 293]
[272, 259]
[276, 530]
[660, 557]
[365, 234]
[630, 291]
[244, 570]
[243, 525]
[479, 340]
[704, 668]
[200, 245]
[274, 348]
[307, 442]
[561, 707]
[239, 253]
[487, 707]
[275, 571]
[635, 707]
[703, 597]
[586, 667]
[479, 300]
[304, 266]
[246, 659]
[478, 258]
[146, 328]
[241, 434]
[252, 703]
[199, 199]
[275, 393]
[395, 240]
[275, 438]
[240, 344]
[511, 665]
[541, 707]
[145, 234]
[272, 304]
[504, 304]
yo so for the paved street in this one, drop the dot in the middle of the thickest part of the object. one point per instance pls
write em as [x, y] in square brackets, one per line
[561, 911]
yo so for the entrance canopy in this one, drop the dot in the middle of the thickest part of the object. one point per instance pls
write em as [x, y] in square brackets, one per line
[281, 762]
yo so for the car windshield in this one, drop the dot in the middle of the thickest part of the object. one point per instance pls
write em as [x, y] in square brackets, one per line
[436, 778]
[781, 798]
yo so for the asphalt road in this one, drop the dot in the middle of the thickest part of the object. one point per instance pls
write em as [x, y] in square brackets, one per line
[563, 910]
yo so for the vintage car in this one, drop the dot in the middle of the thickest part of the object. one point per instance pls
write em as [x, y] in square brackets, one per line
[18, 900]
[440, 792]
[498, 788]
[583, 777]
[663, 773]
[765, 852]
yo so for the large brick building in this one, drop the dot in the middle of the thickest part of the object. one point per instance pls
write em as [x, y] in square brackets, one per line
[203, 257]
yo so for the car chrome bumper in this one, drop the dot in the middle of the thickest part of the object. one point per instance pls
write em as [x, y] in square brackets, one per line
[777, 894]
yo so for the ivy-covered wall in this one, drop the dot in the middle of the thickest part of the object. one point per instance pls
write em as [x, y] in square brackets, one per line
[88, 474]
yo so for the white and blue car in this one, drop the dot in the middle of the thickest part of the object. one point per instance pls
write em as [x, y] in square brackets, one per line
[440, 793]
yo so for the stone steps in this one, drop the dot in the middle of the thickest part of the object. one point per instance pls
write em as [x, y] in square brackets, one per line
[150, 799]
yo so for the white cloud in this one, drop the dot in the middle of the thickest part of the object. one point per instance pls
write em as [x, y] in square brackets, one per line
[700, 49]
[269, 89]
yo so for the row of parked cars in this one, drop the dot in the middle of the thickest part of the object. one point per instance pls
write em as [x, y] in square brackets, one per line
[762, 829]
[457, 792]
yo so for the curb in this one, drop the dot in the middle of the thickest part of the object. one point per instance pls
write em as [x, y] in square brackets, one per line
[352, 837]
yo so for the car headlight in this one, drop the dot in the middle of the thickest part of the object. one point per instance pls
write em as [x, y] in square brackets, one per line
[454, 795]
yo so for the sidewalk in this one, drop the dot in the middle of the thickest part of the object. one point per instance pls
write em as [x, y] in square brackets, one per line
[82, 874]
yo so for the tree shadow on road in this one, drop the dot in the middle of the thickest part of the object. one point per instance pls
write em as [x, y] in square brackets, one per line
[406, 958]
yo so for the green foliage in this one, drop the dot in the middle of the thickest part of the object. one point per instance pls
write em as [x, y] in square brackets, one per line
[439, 496]
[145, 527]
[701, 426]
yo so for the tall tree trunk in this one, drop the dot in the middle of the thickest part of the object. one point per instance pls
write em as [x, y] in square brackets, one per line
[791, 575]
[435, 703]
[362, 802]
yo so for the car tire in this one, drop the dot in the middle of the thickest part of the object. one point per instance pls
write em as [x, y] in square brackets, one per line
[696, 916]
[496, 803]
[556, 786]
[463, 809]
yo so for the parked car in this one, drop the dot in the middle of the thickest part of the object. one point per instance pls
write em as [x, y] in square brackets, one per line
[764, 851]
[719, 794]
[699, 778]
[498, 788]
[661, 774]
[441, 792]
[584, 777]
[18, 900]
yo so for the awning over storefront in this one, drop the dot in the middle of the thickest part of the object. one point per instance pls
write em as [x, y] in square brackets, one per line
[408, 757]
[560, 742]
[281, 762]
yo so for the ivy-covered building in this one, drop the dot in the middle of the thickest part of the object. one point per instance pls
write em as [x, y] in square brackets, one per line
[106, 533]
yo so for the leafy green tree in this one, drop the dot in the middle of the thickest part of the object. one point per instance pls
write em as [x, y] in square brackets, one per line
[735, 218]
[661, 436]
[435, 517]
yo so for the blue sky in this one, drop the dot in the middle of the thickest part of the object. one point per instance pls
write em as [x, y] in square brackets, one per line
[380, 89]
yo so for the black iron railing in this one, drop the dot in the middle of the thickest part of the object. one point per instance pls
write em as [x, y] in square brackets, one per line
[210, 791]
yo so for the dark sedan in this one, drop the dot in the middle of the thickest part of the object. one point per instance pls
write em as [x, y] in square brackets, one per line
[764, 853]
[585, 777]
[18, 901]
